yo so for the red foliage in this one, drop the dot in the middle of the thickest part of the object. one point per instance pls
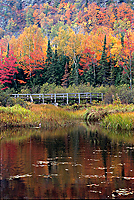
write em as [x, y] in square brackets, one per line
[87, 60]
[8, 69]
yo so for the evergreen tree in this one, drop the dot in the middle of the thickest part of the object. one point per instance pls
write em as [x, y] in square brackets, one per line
[88, 76]
[8, 50]
[103, 73]
[63, 60]
[86, 4]
[48, 63]
[122, 40]
[74, 77]
[49, 55]
[65, 77]
[54, 70]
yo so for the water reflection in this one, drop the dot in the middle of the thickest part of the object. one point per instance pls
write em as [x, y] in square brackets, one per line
[75, 162]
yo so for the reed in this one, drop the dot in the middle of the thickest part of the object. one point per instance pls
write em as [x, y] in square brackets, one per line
[47, 116]
[97, 113]
[116, 121]
[17, 116]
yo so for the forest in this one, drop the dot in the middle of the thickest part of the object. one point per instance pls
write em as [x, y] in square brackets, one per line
[65, 43]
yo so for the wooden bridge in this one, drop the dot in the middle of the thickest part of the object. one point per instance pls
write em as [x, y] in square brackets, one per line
[65, 98]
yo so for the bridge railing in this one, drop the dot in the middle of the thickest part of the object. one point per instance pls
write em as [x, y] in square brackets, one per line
[54, 97]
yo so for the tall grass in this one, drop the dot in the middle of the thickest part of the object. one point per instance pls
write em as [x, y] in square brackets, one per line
[17, 116]
[48, 116]
[97, 113]
[52, 116]
[124, 121]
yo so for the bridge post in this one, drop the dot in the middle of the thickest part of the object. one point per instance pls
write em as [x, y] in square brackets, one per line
[31, 98]
[90, 97]
[27, 97]
[39, 98]
[55, 98]
[67, 98]
[43, 98]
[79, 97]
[51, 99]
[102, 96]
[86, 98]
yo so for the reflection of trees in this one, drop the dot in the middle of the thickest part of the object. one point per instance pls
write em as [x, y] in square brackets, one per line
[72, 155]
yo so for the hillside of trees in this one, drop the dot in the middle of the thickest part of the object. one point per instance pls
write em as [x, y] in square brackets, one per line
[66, 43]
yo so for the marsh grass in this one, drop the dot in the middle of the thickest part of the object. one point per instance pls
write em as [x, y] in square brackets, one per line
[122, 121]
[17, 116]
[99, 112]
[49, 116]
[52, 116]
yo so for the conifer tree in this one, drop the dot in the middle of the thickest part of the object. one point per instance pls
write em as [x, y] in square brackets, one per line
[52, 70]
[103, 68]
[74, 77]
[65, 77]
[86, 4]
[61, 70]
[48, 62]
[49, 55]
[8, 50]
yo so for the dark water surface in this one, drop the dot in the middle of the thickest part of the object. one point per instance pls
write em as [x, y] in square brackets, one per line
[68, 163]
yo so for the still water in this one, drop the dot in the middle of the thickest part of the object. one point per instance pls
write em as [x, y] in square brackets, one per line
[75, 162]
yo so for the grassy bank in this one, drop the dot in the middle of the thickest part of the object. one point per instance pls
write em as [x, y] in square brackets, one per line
[96, 113]
[110, 116]
[119, 121]
[48, 116]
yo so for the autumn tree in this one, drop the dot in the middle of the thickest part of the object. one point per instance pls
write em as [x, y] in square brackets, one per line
[88, 66]
[30, 50]
[75, 45]
[8, 69]
[127, 56]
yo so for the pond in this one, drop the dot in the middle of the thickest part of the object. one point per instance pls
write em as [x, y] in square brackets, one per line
[75, 162]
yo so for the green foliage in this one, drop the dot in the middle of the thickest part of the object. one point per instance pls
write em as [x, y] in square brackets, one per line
[18, 101]
[25, 90]
[3, 98]
[123, 115]
[47, 88]
[6, 100]
[125, 94]
[29, 16]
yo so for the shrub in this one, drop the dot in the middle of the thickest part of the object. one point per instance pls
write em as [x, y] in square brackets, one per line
[126, 95]
[3, 98]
